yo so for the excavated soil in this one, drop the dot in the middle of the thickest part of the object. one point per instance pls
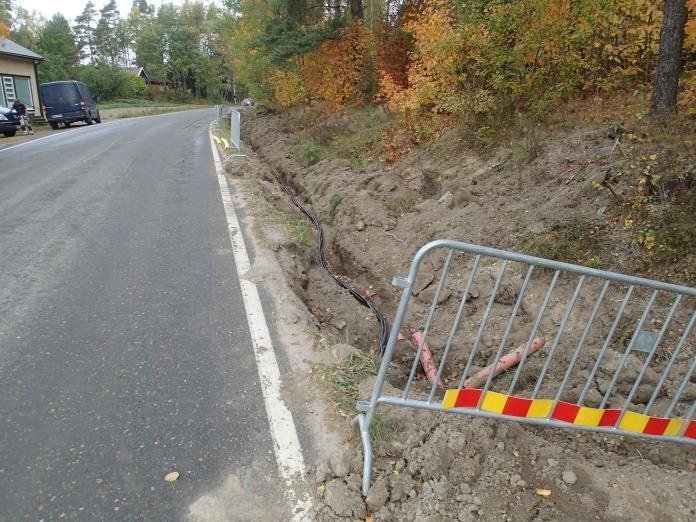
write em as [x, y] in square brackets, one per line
[444, 467]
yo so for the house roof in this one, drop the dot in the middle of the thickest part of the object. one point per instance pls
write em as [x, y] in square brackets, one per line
[14, 49]
[137, 71]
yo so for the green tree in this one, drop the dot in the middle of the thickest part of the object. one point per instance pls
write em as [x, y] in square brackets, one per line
[84, 31]
[143, 7]
[149, 50]
[124, 36]
[56, 43]
[26, 28]
[105, 34]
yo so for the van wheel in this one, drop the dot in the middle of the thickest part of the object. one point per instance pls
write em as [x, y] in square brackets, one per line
[89, 120]
[9, 133]
[98, 118]
[67, 124]
[54, 125]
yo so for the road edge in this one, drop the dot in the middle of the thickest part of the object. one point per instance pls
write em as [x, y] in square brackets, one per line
[286, 444]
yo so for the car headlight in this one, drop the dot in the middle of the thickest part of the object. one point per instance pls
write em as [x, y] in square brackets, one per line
[3, 117]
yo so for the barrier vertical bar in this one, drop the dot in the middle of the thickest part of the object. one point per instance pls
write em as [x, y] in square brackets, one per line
[673, 358]
[559, 335]
[428, 322]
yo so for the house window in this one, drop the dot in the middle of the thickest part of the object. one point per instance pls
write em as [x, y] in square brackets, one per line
[15, 87]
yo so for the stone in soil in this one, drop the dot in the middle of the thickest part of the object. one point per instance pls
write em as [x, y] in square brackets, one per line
[343, 501]
[569, 477]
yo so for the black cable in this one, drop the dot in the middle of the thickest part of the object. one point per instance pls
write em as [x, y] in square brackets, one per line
[364, 301]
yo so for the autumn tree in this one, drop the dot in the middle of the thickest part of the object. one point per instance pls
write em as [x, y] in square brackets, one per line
[5, 18]
[665, 88]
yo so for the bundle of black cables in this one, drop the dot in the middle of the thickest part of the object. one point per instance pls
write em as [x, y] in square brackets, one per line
[364, 301]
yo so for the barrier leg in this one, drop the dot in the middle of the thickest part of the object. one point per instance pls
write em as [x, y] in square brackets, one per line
[364, 422]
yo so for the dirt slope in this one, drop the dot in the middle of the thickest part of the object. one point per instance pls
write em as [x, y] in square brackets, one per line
[442, 468]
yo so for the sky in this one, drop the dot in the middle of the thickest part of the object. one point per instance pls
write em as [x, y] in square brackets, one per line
[71, 8]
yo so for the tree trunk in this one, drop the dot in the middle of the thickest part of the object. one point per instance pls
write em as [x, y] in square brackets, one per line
[664, 95]
[356, 9]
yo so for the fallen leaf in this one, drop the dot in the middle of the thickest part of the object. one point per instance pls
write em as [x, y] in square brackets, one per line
[321, 488]
[543, 492]
[516, 453]
[172, 477]
[369, 518]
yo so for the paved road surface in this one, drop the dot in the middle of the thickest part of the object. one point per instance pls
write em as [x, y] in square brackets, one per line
[124, 348]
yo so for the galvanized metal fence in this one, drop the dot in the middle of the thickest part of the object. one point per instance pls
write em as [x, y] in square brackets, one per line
[596, 350]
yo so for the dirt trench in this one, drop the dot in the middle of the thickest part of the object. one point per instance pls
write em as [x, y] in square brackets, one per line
[440, 467]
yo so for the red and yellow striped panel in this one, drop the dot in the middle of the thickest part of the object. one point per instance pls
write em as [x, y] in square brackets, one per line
[508, 405]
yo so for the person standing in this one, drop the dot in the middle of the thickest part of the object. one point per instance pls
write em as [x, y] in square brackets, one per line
[23, 116]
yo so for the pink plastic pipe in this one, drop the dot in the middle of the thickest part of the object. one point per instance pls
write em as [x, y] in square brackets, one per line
[508, 360]
[426, 359]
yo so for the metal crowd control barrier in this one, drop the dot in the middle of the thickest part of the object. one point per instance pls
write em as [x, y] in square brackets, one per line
[618, 352]
[235, 128]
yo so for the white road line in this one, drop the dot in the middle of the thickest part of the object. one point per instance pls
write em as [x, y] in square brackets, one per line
[70, 133]
[286, 443]
[73, 132]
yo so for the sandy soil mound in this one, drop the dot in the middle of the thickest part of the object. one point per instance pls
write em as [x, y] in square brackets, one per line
[460, 468]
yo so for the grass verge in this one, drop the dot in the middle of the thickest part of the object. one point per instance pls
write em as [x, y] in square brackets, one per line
[141, 102]
[132, 112]
[297, 228]
[569, 241]
[343, 380]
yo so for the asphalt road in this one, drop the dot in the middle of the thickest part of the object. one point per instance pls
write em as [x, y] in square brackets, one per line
[124, 348]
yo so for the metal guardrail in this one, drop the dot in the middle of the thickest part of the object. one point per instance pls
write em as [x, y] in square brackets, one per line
[598, 351]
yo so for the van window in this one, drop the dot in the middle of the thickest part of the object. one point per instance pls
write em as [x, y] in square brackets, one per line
[84, 91]
[59, 93]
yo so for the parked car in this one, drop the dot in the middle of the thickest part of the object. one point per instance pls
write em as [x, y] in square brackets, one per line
[9, 122]
[68, 101]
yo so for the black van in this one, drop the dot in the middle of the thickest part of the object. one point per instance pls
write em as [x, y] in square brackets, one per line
[68, 101]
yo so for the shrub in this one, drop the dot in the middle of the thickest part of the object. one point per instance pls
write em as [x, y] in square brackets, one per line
[109, 83]
[287, 88]
[311, 154]
[338, 70]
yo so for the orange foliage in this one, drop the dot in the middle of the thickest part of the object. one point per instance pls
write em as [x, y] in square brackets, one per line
[337, 70]
[4, 30]
[525, 54]
[433, 71]
[690, 41]
[392, 57]
[445, 57]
